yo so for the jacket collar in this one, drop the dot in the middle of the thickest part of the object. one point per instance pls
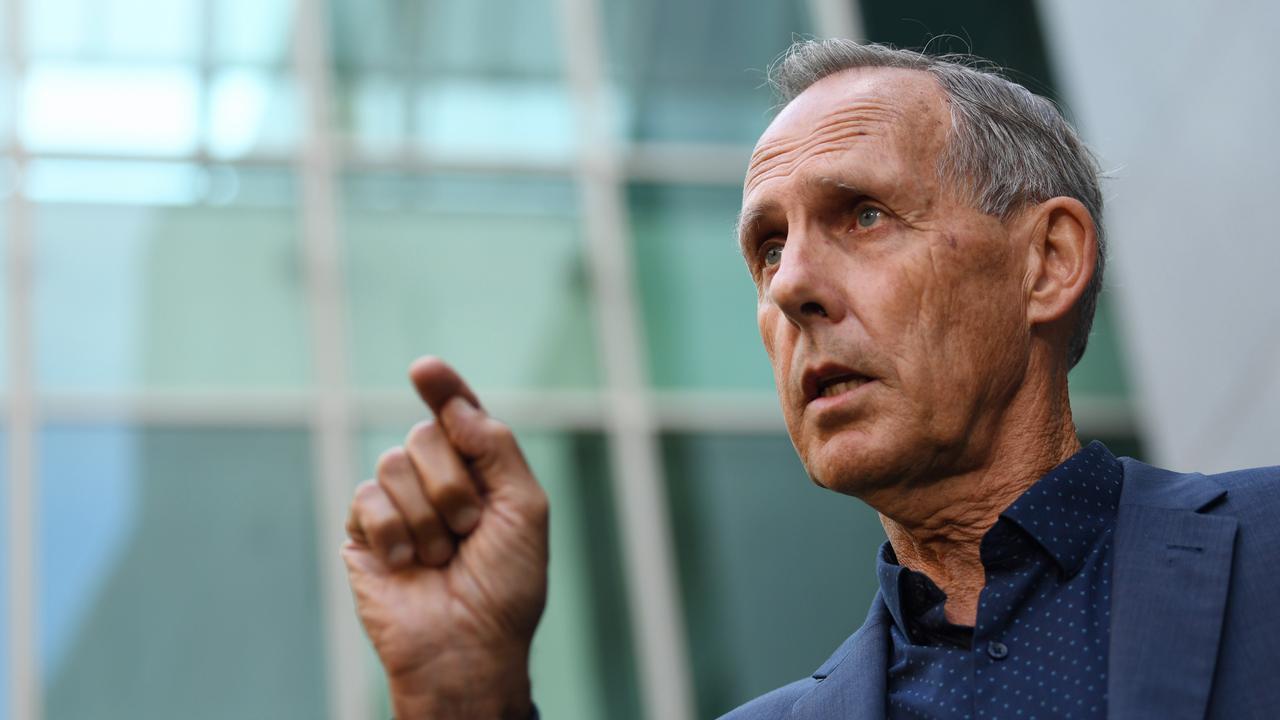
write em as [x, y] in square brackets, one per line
[851, 683]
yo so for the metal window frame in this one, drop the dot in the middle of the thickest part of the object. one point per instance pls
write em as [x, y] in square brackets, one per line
[25, 685]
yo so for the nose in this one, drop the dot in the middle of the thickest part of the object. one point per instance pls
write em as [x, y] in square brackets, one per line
[805, 285]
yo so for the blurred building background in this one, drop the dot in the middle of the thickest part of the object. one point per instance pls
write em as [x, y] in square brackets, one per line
[229, 225]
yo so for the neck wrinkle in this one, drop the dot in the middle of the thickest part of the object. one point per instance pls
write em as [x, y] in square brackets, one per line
[936, 527]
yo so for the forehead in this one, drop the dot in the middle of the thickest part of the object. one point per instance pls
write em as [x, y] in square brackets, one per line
[901, 114]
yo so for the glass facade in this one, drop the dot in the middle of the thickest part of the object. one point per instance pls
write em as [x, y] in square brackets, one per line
[169, 176]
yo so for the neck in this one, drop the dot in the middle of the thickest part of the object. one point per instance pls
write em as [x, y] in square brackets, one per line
[936, 526]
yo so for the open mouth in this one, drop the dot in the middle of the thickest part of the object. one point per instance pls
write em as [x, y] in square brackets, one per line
[841, 384]
[831, 380]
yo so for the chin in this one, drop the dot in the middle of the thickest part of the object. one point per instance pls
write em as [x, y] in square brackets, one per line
[856, 462]
[850, 464]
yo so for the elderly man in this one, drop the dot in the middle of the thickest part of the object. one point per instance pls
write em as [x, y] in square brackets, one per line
[925, 243]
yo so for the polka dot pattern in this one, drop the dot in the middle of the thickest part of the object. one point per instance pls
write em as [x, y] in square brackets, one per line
[1039, 647]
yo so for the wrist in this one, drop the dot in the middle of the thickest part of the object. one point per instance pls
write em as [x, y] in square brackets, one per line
[463, 689]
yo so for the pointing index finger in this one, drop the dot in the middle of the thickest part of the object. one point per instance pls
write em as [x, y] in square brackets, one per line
[437, 383]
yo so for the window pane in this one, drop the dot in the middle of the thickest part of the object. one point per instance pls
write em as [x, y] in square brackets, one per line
[253, 31]
[486, 272]
[697, 296]
[111, 29]
[775, 571]
[252, 111]
[693, 71]
[148, 110]
[582, 665]
[1101, 372]
[1007, 33]
[457, 78]
[178, 570]
[132, 298]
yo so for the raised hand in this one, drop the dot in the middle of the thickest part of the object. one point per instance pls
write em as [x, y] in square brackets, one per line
[447, 558]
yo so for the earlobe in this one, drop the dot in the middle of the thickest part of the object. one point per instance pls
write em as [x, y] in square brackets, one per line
[1065, 246]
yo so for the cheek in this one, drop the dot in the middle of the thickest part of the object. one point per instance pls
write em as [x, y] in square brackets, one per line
[767, 319]
[940, 320]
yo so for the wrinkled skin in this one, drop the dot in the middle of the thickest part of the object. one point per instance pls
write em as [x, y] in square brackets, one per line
[956, 321]
[929, 300]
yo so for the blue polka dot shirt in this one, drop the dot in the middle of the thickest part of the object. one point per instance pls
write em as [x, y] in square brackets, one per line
[1039, 647]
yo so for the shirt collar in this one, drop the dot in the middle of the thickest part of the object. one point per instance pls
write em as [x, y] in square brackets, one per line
[889, 572]
[1071, 506]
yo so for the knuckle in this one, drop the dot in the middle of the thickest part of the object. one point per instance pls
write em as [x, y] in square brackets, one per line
[391, 461]
[421, 432]
[498, 431]
[448, 489]
[365, 492]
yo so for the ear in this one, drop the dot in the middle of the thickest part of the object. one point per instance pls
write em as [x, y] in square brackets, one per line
[1063, 254]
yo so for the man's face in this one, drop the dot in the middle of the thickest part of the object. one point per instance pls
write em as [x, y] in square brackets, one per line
[894, 313]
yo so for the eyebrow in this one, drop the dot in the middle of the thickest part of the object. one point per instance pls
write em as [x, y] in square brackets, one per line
[748, 217]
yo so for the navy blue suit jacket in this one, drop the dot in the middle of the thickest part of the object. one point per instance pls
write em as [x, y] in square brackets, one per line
[1195, 610]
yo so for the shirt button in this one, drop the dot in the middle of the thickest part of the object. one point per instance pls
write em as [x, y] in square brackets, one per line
[997, 650]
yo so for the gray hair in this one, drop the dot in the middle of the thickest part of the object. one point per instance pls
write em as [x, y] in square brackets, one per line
[1008, 148]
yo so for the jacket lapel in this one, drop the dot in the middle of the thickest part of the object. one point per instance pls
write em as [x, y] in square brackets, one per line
[851, 683]
[1169, 590]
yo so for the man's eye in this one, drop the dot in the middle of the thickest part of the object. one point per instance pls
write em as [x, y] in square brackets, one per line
[868, 216]
[773, 255]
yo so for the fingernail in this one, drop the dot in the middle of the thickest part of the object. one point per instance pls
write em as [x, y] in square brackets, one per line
[467, 518]
[400, 555]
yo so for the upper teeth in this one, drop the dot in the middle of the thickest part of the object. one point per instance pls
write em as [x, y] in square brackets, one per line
[842, 386]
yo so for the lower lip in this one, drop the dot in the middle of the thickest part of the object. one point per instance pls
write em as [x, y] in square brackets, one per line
[825, 402]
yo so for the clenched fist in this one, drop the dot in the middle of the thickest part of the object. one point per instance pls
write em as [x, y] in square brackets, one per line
[447, 558]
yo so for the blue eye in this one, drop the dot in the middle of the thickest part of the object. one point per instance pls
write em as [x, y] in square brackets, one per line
[773, 255]
[868, 216]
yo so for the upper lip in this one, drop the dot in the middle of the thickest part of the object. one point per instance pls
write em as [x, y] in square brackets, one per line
[817, 377]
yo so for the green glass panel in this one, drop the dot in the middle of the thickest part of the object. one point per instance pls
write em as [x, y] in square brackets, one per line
[94, 107]
[1101, 372]
[693, 71]
[698, 299]
[253, 31]
[485, 272]
[456, 78]
[178, 574]
[252, 111]
[581, 662]
[1006, 32]
[775, 571]
[130, 30]
[180, 298]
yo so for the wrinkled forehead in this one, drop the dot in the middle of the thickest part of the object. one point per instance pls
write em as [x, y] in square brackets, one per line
[904, 109]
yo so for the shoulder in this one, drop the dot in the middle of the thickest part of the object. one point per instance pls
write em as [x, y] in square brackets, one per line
[1252, 498]
[1248, 492]
[866, 644]
[773, 704]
